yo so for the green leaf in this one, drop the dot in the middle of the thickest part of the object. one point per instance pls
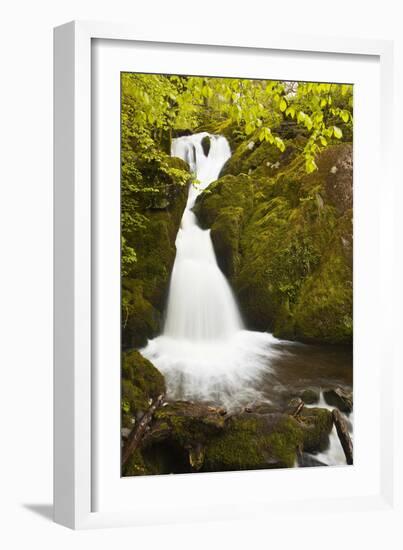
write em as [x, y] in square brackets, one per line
[337, 132]
[249, 129]
[345, 116]
[310, 165]
[323, 141]
[279, 144]
[308, 122]
[301, 116]
[283, 105]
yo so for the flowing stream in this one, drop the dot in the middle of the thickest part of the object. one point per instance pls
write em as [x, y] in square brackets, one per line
[205, 352]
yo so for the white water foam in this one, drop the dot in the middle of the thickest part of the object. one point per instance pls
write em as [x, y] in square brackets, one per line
[334, 454]
[204, 352]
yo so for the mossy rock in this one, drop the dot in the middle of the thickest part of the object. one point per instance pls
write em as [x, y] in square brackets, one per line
[145, 288]
[190, 423]
[285, 243]
[140, 319]
[317, 423]
[142, 382]
[310, 396]
[225, 235]
[227, 191]
[259, 158]
[206, 144]
[323, 311]
[253, 442]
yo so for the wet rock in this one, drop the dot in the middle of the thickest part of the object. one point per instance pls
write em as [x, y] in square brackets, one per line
[306, 460]
[310, 396]
[340, 398]
[252, 441]
[317, 423]
[206, 143]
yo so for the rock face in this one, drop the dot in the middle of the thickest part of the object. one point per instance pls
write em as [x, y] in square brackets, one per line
[144, 290]
[284, 239]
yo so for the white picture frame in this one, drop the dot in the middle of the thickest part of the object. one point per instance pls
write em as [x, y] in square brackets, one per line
[77, 315]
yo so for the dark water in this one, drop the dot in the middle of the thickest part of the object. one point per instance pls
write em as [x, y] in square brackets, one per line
[299, 366]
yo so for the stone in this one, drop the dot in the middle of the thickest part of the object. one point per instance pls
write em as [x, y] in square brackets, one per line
[310, 396]
[340, 398]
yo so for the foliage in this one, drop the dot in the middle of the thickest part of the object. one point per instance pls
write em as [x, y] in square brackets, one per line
[257, 108]
[154, 106]
[146, 170]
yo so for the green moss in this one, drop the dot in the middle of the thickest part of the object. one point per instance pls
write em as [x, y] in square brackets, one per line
[317, 424]
[135, 466]
[225, 234]
[144, 289]
[324, 308]
[252, 154]
[225, 192]
[269, 441]
[190, 423]
[141, 383]
[285, 242]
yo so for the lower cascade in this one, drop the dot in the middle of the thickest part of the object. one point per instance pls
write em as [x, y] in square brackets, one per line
[204, 351]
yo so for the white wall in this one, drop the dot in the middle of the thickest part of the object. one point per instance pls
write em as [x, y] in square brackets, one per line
[26, 269]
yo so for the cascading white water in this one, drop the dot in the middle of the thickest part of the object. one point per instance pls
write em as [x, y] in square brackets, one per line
[334, 454]
[204, 351]
[200, 305]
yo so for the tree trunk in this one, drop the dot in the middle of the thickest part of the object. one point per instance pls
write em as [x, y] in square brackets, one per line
[138, 431]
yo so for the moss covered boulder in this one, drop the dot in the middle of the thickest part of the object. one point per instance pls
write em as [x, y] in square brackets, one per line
[142, 382]
[253, 442]
[316, 424]
[262, 158]
[285, 242]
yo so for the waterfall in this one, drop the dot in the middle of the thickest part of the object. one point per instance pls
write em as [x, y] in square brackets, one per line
[204, 352]
[200, 304]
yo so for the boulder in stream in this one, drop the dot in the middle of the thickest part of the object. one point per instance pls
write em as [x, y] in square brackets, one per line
[340, 398]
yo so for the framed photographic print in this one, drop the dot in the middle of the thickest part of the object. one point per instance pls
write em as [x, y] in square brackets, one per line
[218, 231]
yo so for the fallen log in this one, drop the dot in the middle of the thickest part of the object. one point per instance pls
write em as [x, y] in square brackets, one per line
[138, 431]
[344, 436]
